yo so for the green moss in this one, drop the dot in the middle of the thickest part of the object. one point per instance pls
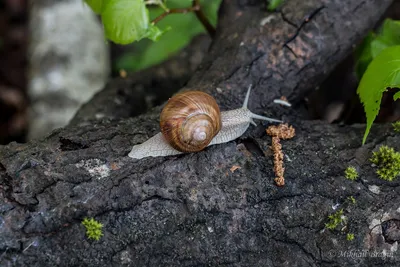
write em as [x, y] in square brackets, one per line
[388, 162]
[396, 126]
[351, 173]
[93, 228]
[335, 220]
[352, 199]
[350, 236]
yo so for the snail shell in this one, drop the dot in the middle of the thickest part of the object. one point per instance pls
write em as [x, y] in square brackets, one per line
[190, 120]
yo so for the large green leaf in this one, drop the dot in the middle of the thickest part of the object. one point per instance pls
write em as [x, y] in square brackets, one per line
[382, 73]
[126, 21]
[97, 5]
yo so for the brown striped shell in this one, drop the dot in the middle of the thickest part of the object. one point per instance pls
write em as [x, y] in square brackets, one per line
[190, 120]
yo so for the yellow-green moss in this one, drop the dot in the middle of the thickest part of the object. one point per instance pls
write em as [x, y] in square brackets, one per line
[352, 199]
[351, 173]
[388, 162]
[396, 126]
[93, 228]
[350, 236]
[335, 219]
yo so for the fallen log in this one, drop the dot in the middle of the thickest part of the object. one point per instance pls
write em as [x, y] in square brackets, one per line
[195, 209]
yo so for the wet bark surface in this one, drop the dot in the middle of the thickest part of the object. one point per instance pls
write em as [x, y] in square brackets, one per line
[191, 209]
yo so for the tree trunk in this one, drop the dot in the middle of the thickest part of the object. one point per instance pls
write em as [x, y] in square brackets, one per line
[191, 209]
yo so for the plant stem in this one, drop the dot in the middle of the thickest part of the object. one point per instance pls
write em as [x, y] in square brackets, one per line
[203, 19]
[174, 11]
[196, 8]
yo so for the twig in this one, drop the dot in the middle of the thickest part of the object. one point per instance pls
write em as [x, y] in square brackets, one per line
[203, 19]
[175, 11]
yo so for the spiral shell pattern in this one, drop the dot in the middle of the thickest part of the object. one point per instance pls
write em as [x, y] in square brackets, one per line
[190, 120]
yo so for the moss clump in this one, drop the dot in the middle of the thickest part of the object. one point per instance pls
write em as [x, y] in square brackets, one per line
[93, 228]
[396, 126]
[350, 236]
[352, 199]
[351, 173]
[388, 162]
[335, 219]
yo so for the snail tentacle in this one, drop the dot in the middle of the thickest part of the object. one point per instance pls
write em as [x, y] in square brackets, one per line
[235, 122]
[259, 117]
[252, 115]
[246, 99]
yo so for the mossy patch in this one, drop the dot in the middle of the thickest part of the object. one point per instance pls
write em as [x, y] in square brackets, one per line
[335, 220]
[396, 126]
[351, 173]
[93, 228]
[350, 236]
[352, 199]
[388, 162]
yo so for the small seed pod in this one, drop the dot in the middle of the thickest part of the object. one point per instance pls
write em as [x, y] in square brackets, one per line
[190, 120]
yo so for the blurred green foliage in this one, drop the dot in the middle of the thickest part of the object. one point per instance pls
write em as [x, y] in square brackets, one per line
[181, 29]
[274, 4]
[363, 55]
[375, 43]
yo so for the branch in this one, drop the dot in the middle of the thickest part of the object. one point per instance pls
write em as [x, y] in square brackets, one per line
[175, 11]
[192, 209]
[203, 19]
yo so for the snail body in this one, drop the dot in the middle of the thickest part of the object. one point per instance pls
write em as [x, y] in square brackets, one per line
[191, 121]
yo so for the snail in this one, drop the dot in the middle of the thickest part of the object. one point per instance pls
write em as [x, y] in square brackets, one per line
[191, 121]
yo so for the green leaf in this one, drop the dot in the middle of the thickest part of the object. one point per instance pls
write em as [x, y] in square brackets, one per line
[183, 28]
[396, 96]
[274, 4]
[155, 33]
[97, 5]
[373, 44]
[383, 72]
[363, 55]
[377, 46]
[126, 21]
[390, 32]
[388, 36]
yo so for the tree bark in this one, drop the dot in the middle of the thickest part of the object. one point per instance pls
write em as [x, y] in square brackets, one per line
[191, 209]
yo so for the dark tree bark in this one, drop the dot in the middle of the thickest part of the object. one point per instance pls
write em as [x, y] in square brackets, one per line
[191, 210]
